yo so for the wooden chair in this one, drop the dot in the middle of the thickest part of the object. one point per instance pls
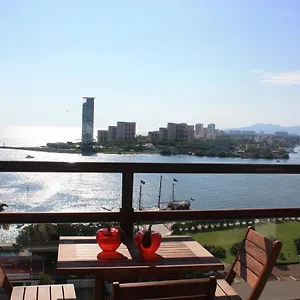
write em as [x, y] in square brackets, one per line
[65, 291]
[5, 283]
[202, 289]
[254, 263]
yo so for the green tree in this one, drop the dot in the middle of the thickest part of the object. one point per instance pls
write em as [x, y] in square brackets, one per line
[297, 245]
[217, 251]
[235, 248]
[3, 226]
[176, 228]
[45, 278]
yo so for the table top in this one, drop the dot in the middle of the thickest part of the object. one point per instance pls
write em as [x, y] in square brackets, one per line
[81, 254]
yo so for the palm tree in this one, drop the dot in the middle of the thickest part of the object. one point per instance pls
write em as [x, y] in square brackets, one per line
[4, 226]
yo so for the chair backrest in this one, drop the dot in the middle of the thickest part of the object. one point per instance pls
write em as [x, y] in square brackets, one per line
[5, 283]
[254, 261]
[202, 289]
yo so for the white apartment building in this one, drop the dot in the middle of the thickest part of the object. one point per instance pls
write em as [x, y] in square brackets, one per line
[112, 133]
[180, 132]
[199, 131]
[211, 131]
[163, 134]
[153, 136]
[190, 133]
[126, 131]
[102, 136]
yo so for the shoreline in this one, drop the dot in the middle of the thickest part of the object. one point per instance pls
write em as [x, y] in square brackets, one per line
[120, 152]
[74, 151]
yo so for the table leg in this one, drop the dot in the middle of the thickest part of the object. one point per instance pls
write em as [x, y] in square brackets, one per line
[99, 288]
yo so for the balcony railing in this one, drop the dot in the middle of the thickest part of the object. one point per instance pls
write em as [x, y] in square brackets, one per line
[127, 216]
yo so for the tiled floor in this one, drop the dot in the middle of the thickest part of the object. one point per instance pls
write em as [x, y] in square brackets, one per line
[274, 290]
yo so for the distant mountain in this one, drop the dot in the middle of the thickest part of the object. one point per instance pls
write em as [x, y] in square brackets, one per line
[270, 128]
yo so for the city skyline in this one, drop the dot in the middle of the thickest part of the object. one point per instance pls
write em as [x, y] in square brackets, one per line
[233, 64]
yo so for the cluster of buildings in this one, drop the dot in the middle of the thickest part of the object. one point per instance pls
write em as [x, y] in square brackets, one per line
[126, 131]
[182, 132]
[256, 137]
[173, 132]
[123, 131]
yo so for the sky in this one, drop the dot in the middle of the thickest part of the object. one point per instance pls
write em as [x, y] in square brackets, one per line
[233, 63]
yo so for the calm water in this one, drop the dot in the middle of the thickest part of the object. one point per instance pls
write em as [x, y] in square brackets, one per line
[93, 192]
[97, 192]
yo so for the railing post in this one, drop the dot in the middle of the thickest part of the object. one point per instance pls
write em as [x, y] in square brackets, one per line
[126, 210]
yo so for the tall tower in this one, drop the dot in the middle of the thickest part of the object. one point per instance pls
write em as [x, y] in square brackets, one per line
[87, 124]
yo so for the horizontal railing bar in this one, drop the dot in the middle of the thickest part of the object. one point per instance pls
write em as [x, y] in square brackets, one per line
[106, 167]
[147, 216]
[57, 217]
[245, 213]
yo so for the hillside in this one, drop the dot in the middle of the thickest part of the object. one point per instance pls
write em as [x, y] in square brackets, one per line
[270, 128]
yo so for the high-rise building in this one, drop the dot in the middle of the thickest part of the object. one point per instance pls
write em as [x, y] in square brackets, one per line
[87, 123]
[211, 128]
[190, 129]
[211, 131]
[199, 132]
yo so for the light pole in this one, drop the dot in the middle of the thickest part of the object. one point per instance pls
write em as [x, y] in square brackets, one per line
[140, 197]
[173, 190]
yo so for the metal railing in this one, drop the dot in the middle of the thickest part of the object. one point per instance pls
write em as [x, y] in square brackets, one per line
[127, 216]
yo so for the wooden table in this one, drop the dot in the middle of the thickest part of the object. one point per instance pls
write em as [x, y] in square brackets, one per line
[44, 292]
[176, 255]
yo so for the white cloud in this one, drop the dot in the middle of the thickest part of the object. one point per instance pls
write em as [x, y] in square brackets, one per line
[255, 71]
[281, 78]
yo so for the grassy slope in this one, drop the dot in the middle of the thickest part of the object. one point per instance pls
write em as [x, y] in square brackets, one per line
[286, 231]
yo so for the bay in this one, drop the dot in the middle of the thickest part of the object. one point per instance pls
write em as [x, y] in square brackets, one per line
[37, 192]
[43, 192]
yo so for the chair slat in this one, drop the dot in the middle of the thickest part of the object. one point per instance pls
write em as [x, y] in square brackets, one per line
[220, 295]
[254, 265]
[30, 293]
[245, 273]
[44, 292]
[18, 293]
[228, 291]
[260, 241]
[56, 292]
[173, 289]
[256, 252]
[4, 282]
[69, 292]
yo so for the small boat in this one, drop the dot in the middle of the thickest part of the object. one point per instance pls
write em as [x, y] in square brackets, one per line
[29, 156]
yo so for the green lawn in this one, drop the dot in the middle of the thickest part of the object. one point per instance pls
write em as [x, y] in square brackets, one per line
[286, 231]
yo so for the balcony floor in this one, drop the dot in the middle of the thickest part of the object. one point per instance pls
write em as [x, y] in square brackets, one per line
[287, 288]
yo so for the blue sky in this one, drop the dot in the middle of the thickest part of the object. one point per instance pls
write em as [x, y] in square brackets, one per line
[233, 63]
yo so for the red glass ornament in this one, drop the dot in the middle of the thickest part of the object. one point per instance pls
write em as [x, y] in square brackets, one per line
[153, 245]
[109, 239]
